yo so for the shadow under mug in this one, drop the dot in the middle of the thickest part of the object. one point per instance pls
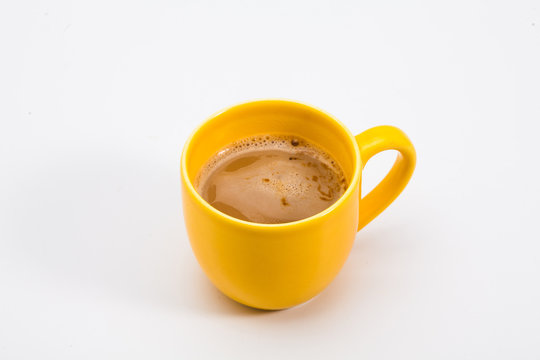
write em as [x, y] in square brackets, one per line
[276, 266]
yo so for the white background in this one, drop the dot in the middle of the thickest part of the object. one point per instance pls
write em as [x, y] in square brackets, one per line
[97, 98]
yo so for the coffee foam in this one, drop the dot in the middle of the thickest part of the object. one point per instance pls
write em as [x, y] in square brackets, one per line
[271, 179]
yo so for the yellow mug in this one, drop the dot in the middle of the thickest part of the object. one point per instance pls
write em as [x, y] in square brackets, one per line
[276, 266]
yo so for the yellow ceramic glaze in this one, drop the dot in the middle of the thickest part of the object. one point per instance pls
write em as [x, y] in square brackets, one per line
[276, 266]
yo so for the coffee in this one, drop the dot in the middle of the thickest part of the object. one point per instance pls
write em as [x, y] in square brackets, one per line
[271, 179]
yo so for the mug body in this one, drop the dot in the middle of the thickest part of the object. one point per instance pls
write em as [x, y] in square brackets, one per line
[271, 266]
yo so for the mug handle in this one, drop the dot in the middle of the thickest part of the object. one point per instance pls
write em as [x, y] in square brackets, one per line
[371, 142]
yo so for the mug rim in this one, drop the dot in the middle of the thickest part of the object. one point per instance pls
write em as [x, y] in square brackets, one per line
[209, 208]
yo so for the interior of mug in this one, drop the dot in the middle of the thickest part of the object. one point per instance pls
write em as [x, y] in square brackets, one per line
[269, 117]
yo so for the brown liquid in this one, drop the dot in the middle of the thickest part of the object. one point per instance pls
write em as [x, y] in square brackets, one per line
[271, 179]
